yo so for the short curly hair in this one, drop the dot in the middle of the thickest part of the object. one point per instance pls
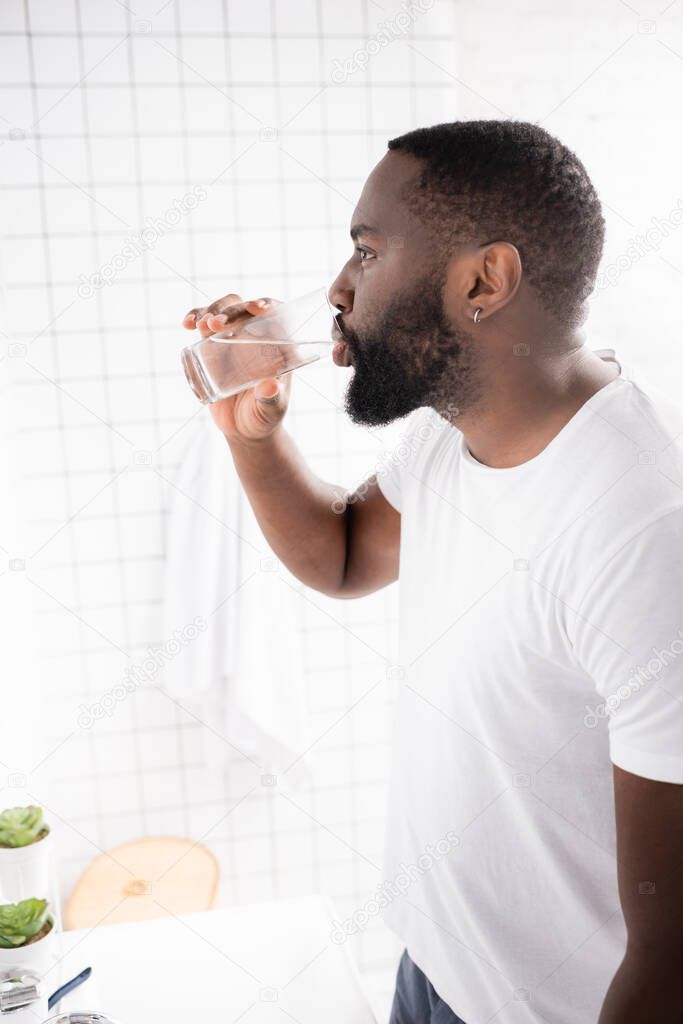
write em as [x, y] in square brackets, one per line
[512, 181]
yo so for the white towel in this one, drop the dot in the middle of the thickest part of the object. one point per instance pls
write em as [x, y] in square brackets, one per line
[242, 673]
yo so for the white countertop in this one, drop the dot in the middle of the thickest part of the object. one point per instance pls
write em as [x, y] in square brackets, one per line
[257, 964]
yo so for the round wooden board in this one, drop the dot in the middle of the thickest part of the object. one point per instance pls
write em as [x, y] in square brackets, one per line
[152, 877]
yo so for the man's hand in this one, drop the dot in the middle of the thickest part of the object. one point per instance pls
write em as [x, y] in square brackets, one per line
[252, 415]
[648, 987]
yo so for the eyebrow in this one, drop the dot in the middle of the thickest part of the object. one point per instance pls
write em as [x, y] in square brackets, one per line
[362, 229]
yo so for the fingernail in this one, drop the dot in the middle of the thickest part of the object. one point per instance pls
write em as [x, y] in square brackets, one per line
[262, 303]
[221, 317]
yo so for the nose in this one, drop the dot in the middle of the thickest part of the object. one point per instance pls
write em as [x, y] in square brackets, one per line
[341, 293]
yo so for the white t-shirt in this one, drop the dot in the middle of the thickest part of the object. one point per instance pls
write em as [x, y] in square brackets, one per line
[541, 617]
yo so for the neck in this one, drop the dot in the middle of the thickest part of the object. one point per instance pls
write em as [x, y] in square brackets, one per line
[526, 399]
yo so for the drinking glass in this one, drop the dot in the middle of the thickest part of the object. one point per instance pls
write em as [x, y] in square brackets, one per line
[295, 333]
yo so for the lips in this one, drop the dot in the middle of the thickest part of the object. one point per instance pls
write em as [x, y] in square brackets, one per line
[341, 353]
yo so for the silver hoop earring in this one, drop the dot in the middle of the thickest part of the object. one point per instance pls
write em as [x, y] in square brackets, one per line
[477, 313]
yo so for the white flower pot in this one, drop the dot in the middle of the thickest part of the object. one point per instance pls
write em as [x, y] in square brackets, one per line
[37, 957]
[25, 872]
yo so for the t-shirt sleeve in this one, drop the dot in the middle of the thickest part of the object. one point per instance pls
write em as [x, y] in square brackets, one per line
[394, 462]
[628, 637]
[388, 472]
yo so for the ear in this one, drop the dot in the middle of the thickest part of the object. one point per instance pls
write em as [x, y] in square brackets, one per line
[485, 277]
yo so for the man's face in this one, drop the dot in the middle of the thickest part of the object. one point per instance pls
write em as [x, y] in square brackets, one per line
[405, 350]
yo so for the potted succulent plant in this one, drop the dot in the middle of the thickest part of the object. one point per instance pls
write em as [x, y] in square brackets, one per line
[25, 850]
[21, 826]
[26, 935]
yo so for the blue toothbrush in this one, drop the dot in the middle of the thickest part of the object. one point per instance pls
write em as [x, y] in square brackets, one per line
[68, 986]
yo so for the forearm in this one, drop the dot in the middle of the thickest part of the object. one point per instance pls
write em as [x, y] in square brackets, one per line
[294, 509]
[646, 988]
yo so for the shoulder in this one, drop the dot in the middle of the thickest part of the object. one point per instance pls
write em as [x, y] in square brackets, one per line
[632, 528]
[650, 419]
[632, 462]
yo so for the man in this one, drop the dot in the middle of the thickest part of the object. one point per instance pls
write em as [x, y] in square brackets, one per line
[534, 517]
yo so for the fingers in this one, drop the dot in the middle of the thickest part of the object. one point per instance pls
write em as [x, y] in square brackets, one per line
[214, 317]
[192, 318]
[237, 312]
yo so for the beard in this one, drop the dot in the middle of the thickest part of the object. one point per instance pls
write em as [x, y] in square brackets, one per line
[411, 356]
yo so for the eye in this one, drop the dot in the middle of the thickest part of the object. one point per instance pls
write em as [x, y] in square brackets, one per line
[364, 253]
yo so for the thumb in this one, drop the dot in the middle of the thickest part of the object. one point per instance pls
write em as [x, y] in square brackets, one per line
[267, 391]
